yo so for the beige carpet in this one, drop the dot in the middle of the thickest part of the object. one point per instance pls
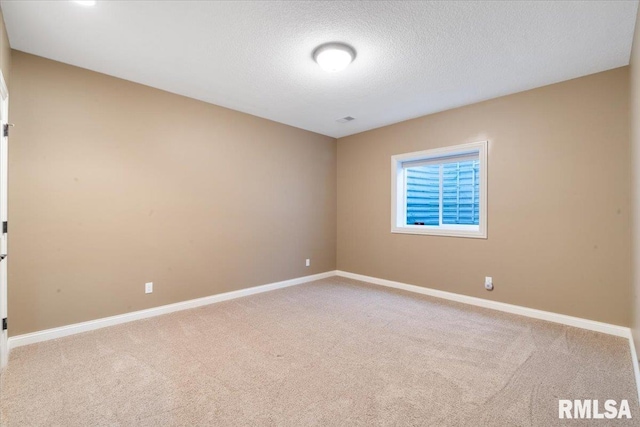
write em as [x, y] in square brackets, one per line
[332, 352]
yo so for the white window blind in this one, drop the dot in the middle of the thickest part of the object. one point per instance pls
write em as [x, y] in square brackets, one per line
[440, 191]
[443, 193]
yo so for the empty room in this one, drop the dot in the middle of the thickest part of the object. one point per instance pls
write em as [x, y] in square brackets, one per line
[319, 213]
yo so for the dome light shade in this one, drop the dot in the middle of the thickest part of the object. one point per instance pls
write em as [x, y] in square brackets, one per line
[333, 57]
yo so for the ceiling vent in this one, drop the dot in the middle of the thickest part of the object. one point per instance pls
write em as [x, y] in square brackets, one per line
[345, 119]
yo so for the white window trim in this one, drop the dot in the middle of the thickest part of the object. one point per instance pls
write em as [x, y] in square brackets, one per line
[398, 207]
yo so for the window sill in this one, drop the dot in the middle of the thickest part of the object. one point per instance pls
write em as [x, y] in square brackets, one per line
[449, 232]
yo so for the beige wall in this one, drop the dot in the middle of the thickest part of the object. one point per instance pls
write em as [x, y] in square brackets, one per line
[113, 184]
[559, 208]
[635, 159]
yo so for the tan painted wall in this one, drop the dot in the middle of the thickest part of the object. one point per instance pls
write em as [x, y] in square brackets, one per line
[635, 159]
[559, 208]
[113, 184]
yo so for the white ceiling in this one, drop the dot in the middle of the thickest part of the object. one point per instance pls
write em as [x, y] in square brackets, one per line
[413, 58]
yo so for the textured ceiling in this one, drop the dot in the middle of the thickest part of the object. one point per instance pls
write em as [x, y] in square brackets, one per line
[413, 58]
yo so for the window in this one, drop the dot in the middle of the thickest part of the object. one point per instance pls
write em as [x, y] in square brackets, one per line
[441, 191]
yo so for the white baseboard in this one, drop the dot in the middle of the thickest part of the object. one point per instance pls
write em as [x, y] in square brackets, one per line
[634, 360]
[76, 328]
[577, 322]
[30, 338]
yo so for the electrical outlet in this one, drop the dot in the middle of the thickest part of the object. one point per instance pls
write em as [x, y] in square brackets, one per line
[308, 263]
[488, 283]
[148, 287]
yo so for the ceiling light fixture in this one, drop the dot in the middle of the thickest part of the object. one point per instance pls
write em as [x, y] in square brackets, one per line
[334, 57]
[85, 2]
